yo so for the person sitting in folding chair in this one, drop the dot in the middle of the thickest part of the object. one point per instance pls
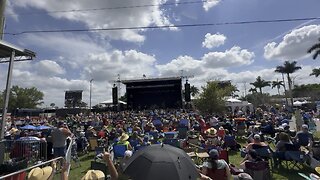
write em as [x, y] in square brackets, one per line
[216, 168]
[304, 137]
[279, 153]
[123, 140]
[251, 156]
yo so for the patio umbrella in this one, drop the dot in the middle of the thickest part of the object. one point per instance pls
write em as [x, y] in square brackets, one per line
[161, 161]
[43, 127]
[28, 127]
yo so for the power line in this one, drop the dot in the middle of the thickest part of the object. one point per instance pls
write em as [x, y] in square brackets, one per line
[111, 8]
[164, 26]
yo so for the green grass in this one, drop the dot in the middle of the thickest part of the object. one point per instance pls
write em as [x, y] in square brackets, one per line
[234, 157]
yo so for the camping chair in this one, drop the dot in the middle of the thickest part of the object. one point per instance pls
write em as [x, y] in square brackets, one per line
[240, 129]
[172, 142]
[223, 154]
[119, 150]
[264, 152]
[258, 170]
[169, 135]
[220, 174]
[98, 150]
[230, 142]
[134, 143]
[154, 134]
[182, 132]
[93, 142]
[293, 156]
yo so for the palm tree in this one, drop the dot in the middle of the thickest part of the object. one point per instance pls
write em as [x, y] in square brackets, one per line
[260, 83]
[252, 90]
[277, 84]
[316, 49]
[315, 72]
[288, 68]
[194, 91]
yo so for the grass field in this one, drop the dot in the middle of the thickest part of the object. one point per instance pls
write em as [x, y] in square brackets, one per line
[234, 157]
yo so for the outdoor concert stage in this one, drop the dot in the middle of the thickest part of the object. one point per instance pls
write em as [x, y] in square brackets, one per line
[154, 93]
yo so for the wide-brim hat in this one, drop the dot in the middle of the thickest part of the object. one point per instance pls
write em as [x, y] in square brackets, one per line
[14, 130]
[124, 137]
[211, 131]
[40, 173]
[317, 169]
[94, 175]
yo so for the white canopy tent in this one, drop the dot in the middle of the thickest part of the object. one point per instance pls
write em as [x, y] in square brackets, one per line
[236, 104]
[299, 103]
[109, 102]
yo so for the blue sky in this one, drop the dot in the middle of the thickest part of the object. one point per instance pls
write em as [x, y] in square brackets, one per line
[240, 53]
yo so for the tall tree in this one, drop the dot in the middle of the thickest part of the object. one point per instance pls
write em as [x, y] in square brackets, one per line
[252, 90]
[52, 105]
[260, 83]
[24, 98]
[277, 84]
[194, 91]
[315, 72]
[315, 49]
[211, 98]
[288, 68]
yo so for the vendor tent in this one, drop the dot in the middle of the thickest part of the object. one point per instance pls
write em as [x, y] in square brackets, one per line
[109, 102]
[238, 105]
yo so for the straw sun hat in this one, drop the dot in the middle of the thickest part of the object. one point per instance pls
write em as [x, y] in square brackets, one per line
[211, 131]
[94, 175]
[124, 137]
[40, 173]
[317, 169]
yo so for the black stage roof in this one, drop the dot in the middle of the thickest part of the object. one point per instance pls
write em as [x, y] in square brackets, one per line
[150, 80]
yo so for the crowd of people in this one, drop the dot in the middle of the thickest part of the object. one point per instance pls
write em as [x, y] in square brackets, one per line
[212, 134]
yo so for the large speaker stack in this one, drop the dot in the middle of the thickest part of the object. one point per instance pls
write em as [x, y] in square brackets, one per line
[187, 96]
[115, 95]
[73, 98]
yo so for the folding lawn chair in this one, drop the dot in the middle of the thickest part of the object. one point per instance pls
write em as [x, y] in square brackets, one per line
[258, 170]
[294, 158]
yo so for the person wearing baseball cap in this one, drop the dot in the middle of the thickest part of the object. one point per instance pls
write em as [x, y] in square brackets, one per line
[304, 137]
[216, 168]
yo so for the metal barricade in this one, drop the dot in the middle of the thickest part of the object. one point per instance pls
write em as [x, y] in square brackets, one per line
[68, 153]
[31, 150]
[21, 174]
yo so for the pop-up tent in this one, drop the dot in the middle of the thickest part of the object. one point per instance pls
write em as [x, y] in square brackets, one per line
[236, 104]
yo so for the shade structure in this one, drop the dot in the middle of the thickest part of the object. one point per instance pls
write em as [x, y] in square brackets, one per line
[159, 162]
[28, 127]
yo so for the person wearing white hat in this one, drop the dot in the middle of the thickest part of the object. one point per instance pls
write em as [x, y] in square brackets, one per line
[41, 173]
[304, 137]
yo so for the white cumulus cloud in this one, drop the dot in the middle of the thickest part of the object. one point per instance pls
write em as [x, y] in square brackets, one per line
[207, 5]
[107, 18]
[231, 57]
[213, 40]
[48, 68]
[294, 45]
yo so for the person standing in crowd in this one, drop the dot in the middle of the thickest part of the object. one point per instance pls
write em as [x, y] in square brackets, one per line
[59, 136]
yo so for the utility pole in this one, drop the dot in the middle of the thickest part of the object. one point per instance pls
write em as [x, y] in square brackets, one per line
[119, 89]
[2, 18]
[90, 94]
[245, 90]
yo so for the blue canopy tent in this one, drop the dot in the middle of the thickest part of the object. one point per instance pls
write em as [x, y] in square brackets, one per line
[28, 127]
